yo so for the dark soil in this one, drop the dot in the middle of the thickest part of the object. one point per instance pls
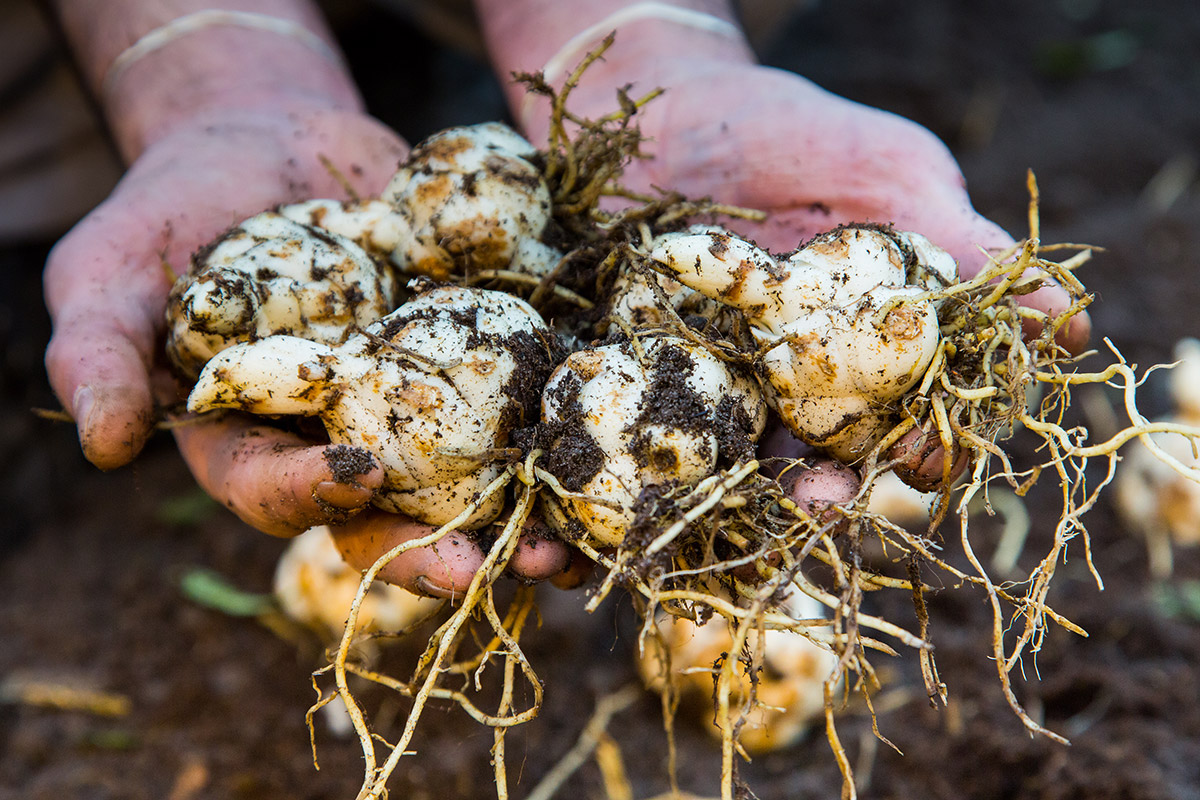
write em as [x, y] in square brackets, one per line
[1101, 98]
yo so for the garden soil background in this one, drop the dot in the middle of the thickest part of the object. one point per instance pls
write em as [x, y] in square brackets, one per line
[1101, 99]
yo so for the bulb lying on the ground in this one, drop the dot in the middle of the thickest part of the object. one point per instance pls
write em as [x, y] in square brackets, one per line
[316, 587]
[432, 389]
[473, 199]
[841, 360]
[272, 275]
[1152, 497]
[622, 417]
[790, 691]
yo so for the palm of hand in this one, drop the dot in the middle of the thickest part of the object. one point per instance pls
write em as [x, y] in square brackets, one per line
[768, 139]
[105, 282]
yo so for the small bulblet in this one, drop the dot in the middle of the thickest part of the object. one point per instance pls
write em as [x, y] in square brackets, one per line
[474, 200]
[433, 390]
[854, 332]
[620, 418]
[314, 586]
[272, 275]
[789, 689]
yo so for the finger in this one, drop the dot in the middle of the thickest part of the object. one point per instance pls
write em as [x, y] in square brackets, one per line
[442, 569]
[968, 237]
[819, 484]
[539, 555]
[99, 376]
[579, 568]
[848, 163]
[273, 480]
[99, 356]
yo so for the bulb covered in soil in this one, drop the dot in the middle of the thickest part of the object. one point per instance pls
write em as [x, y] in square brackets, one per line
[272, 275]
[473, 199]
[432, 389]
[623, 417]
[853, 333]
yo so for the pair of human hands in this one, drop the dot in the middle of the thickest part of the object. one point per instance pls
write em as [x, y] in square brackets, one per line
[743, 134]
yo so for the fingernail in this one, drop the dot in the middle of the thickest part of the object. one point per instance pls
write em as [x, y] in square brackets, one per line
[341, 495]
[427, 587]
[81, 407]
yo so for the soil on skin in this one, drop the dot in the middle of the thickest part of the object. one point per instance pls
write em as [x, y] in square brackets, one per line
[1098, 97]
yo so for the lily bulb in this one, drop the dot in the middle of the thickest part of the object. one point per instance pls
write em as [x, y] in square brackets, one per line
[853, 332]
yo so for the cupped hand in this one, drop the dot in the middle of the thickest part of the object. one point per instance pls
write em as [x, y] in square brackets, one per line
[769, 139]
[107, 280]
[106, 286]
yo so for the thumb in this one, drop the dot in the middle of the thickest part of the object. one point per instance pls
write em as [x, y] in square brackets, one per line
[99, 375]
[105, 315]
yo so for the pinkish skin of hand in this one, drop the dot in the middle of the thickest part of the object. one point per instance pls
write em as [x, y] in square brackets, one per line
[105, 281]
[445, 568]
[768, 139]
[273, 480]
[822, 161]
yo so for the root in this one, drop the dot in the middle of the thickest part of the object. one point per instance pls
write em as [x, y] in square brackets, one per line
[589, 739]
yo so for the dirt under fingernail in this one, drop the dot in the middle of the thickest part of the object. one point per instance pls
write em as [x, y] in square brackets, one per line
[348, 464]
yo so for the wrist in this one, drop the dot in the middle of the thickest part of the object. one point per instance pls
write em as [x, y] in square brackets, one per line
[215, 71]
[650, 38]
[156, 64]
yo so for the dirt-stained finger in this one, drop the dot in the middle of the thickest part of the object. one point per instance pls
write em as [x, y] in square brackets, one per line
[274, 480]
[539, 555]
[922, 459]
[442, 569]
[820, 483]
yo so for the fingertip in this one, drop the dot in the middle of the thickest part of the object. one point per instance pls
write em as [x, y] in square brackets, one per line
[343, 496]
[443, 569]
[113, 423]
[922, 460]
[538, 558]
[99, 373]
[821, 483]
[353, 467]
[1075, 335]
[1052, 300]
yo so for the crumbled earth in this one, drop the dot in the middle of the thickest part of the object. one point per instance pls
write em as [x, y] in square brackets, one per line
[1098, 97]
